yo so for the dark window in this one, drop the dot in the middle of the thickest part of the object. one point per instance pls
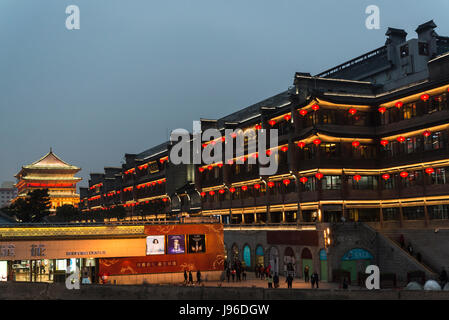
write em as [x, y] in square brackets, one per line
[404, 51]
[423, 48]
[413, 213]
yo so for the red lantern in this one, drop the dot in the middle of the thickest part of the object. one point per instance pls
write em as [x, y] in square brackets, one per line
[221, 191]
[200, 169]
[355, 144]
[257, 186]
[384, 142]
[271, 184]
[357, 177]
[268, 152]
[303, 179]
[287, 117]
[386, 176]
[211, 192]
[242, 159]
[399, 104]
[427, 133]
[271, 122]
[404, 174]
[303, 112]
[233, 135]
[254, 155]
[220, 165]
[301, 144]
[352, 111]
[425, 97]
[382, 109]
[430, 170]
[284, 148]
[286, 182]
[232, 189]
[258, 127]
[164, 199]
[230, 161]
[315, 107]
[223, 139]
[319, 175]
[317, 141]
[244, 188]
[210, 168]
[400, 139]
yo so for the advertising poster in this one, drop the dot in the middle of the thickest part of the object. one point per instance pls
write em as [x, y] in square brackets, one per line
[176, 244]
[155, 245]
[197, 243]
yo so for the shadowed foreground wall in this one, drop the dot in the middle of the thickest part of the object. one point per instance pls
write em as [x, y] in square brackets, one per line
[150, 292]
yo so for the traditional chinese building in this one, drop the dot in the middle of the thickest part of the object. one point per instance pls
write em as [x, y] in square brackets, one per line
[52, 173]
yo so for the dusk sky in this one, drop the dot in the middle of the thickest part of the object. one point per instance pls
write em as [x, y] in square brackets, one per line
[139, 68]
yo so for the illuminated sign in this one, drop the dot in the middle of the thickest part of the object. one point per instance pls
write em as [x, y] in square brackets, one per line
[155, 245]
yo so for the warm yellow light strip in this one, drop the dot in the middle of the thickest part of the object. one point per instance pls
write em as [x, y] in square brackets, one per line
[417, 132]
[417, 96]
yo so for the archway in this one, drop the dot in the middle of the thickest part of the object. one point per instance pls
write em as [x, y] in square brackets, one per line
[323, 265]
[356, 260]
[260, 260]
[307, 263]
[274, 260]
[246, 256]
[289, 261]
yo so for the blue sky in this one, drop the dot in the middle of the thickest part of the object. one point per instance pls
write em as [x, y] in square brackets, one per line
[139, 68]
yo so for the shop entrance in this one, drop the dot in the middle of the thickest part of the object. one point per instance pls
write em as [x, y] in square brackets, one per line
[307, 263]
[355, 261]
[323, 265]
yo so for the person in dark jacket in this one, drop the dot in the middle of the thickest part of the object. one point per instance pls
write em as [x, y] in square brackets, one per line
[276, 280]
[190, 277]
[198, 277]
[185, 276]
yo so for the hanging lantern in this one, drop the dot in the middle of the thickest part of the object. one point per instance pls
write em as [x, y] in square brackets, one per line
[232, 189]
[254, 155]
[220, 165]
[404, 174]
[352, 111]
[319, 175]
[303, 179]
[400, 139]
[355, 143]
[211, 192]
[303, 112]
[430, 170]
[286, 182]
[315, 107]
[221, 191]
[242, 159]
[317, 141]
[425, 97]
[287, 117]
[209, 167]
[284, 148]
[223, 139]
[164, 199]
[384, 142]
[385, 176]
[230, 162]
[257, 127]
[271, 122]
[382, 109]
[201, 169]
[268, 152]
[301, 144]
[357, 177]
[270, 184]
[233, 135]
[257, 186]
[399, 104]
[244, 188]
[427, 133]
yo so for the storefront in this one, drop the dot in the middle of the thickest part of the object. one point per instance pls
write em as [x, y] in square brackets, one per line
[355, 261]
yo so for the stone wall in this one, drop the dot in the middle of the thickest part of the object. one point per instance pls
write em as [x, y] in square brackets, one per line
[43, 291]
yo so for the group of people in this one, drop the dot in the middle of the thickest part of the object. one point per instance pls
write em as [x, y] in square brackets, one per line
[235, 271]
[314, 278]
[188, 279]
[262, 272]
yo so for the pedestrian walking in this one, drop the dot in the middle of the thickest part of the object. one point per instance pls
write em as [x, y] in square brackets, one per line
[198, 277]
[190, 277]
[289, 280]
[306, 274]
[228, 274]
[185, 276]
[233, 275]
[270, 281]
[314, 280]
[276, 280]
